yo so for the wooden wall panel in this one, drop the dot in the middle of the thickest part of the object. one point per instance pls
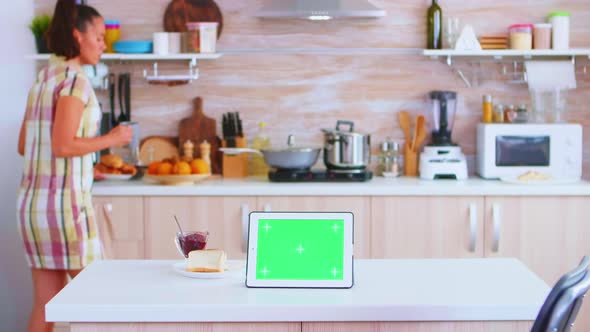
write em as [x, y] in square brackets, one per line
[301, 94]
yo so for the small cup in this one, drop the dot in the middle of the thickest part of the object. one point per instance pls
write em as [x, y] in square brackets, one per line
[189, 241]
[161, 43]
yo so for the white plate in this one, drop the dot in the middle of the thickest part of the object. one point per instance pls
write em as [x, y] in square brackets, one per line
[515, 180]
[180, 268]
[117, 177]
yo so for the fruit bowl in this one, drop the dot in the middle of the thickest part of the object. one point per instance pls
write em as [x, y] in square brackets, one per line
[177, 179]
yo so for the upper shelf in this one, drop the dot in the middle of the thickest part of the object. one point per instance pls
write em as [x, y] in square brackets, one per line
[144, 56]
[498, 54]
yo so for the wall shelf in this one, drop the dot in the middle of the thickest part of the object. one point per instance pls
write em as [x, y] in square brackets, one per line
[144, 56]
[499, 54]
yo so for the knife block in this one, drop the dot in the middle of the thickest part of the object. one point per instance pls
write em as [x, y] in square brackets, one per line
[235, 166]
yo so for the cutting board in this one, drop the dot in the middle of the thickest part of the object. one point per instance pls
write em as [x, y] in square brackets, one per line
[155, 148]
[199, 128]
[179, 12]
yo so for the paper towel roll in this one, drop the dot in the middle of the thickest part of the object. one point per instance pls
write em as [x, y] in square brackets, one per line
[550, 75]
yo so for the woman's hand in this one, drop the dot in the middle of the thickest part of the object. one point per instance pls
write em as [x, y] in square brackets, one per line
[121, 135]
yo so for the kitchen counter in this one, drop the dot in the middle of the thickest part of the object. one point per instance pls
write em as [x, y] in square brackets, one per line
[385, 290]
[378, 186]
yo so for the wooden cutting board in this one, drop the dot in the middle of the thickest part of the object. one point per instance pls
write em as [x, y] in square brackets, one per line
[199, 128]
[179, 12]
[156, 148]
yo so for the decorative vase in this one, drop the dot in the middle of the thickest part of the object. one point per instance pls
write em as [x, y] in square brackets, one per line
[41, 43]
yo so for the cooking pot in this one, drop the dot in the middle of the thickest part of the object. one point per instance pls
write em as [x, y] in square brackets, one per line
[289, 158]
[345, 149]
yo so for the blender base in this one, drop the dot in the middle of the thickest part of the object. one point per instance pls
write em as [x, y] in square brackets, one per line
[443, 162]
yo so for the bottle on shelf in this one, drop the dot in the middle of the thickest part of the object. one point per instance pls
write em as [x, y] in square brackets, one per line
[434, 30]
[257, 165]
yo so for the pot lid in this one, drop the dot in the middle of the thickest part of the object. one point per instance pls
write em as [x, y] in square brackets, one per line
[291, 147]
[338, 131]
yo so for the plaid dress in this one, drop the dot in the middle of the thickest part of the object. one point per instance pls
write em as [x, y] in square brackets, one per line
[54, 206]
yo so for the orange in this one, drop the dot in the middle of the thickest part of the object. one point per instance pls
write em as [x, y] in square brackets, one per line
[199, 166]
[182, 168]
[164, 169]
[153, 167]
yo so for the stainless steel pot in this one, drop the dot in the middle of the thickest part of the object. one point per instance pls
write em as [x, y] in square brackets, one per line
[290, 158]
[346, 150]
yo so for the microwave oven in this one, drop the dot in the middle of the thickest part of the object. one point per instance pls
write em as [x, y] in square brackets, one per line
[509, 150]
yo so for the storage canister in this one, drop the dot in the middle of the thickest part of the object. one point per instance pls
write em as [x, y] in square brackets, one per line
[542, 36]
[202, 36]
[521, 36]
[112, 34]
[561, 30]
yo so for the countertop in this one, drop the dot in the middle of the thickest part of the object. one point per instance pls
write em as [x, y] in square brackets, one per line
[378, 186]
[489, 289]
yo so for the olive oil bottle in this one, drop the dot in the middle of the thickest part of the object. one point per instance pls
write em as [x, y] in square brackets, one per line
[434, 30]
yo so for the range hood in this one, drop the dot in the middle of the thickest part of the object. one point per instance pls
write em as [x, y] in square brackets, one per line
[320, 9]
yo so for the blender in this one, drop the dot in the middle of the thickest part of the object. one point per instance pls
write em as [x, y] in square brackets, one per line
[442, 159]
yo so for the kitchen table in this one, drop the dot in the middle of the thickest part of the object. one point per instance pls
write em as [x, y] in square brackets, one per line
[148, 295]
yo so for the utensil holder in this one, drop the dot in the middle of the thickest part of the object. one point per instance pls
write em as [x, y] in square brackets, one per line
[410, 161]
[235, 166]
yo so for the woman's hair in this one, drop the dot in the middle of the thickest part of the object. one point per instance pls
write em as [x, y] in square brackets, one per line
[67, 17]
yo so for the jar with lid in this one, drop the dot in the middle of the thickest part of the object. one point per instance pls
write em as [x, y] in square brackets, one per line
[509, 113]
[488, 109]
[112, 34]
[561, 30]
[202, 36]
[499, 113]
[522, 115]
[542, 36]
[389, 159]
[521, 36]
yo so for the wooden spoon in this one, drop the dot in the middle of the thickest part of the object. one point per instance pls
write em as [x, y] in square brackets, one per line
[405, 122]
[421, 133]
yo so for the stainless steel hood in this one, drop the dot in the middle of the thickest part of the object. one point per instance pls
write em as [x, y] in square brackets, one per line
[320, 9]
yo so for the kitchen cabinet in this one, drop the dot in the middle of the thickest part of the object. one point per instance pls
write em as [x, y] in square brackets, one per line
[427, 227]
[187, 327]
[224, 217]
[548, 234]
[120, 225]
[359, 206]
[476, 326]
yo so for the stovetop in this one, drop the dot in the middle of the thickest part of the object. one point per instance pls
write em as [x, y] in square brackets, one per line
[319, 176]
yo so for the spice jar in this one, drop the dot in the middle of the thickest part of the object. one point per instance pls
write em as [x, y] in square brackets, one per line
[499, 113]
[542, 36]
[488, 109]
[509, 114]
[202, 36]
[112, 34]
[522, 115]
[389, 159]
[521, 36]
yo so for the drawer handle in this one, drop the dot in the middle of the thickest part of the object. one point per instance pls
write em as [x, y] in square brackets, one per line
[497, 219]
[472, 226]
[245, 213]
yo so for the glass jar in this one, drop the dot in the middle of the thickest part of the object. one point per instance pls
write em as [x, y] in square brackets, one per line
[389, 159]
[521, 37]
[522, 114]
[509, 114]
[112, 34]
[499, 113]
[202, 36]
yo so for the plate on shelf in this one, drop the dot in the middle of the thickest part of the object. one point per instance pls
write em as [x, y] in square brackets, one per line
[177, 179]
[180, 268]
[117, 177]
[515, 180]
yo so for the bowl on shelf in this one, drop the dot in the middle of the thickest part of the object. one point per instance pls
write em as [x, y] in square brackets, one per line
[133, 46]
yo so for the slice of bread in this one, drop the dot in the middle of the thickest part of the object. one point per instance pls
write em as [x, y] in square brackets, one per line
[207, 260]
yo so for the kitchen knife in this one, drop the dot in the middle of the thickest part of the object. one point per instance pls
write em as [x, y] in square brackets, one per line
[240, 133]
[231, 139]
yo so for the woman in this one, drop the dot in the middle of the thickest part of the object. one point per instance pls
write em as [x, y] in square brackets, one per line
[57, 139]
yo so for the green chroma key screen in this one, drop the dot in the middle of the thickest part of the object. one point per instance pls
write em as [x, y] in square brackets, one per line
[306, 249]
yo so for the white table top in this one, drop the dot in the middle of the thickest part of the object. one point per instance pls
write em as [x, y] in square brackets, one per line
[378, 186]
[384, 290]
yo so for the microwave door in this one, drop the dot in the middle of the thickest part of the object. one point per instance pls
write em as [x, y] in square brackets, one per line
[523, 151]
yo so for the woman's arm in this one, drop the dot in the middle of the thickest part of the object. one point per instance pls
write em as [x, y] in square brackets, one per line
[22, 136]
[64, 142]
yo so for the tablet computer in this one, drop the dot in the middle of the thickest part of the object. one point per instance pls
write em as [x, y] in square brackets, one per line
[300, 250]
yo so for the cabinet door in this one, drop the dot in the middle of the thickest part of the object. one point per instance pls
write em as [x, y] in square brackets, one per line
[120, 226]
[427, 227]
[548, 234]
[359, 206]
[225, 218]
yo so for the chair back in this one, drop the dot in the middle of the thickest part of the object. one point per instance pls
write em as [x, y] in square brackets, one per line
[565, 282]
[567, 308]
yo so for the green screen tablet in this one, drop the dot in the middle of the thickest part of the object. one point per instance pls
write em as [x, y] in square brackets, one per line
[300, 249]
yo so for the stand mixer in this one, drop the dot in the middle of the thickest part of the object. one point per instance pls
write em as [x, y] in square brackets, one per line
[442, 159]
